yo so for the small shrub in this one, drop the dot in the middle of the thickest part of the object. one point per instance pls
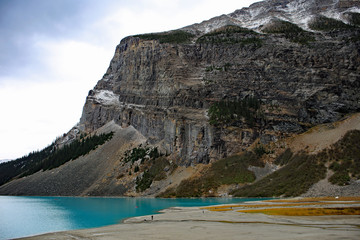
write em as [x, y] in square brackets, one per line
[135, 154]
[354, 18]
[231, 35]
[141, 153]
[335, 166]
[290, 31]
[227, 66]
[284, 157]
[121, 175]
[259, 150]
[322, 23]
[228, 112]
[154, 153]
[168, 193]
[340, 178]
[282, 27]
[154, 173]
[213, 68]
[229, 29]
[176, 37]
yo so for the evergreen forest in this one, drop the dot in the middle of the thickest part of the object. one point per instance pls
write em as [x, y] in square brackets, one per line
[50, 157]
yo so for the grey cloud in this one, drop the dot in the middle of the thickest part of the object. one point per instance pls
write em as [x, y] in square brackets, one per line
[22, 20]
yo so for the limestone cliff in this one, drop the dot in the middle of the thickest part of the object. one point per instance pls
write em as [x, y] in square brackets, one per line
[164, 89]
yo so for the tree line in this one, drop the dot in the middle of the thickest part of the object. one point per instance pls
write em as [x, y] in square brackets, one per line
[228, 112]
[50, 157]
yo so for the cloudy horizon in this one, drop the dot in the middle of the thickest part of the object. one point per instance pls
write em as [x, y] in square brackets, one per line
[54, 52]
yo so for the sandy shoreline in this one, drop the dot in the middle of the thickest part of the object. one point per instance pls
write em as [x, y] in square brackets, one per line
[197, 223]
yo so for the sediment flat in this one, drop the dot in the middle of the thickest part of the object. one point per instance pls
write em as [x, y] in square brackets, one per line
[226, 222]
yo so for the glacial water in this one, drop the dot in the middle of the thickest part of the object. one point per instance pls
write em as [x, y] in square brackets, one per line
[26, 216]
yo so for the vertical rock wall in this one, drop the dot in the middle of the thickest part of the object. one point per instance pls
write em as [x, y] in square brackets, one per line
[164, 90]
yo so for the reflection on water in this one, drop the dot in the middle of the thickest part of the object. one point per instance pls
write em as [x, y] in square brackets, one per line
[24, 216]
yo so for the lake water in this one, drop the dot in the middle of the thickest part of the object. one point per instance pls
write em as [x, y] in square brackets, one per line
[26, 216]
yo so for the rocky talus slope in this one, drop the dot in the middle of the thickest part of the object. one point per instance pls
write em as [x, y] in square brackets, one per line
[238, 83]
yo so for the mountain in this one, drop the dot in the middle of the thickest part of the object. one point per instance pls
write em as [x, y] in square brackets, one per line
[299, 12]
[208, 109]
[4, 160]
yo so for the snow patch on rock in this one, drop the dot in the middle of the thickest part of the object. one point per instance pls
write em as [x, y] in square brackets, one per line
[106, 97]
[299, 12]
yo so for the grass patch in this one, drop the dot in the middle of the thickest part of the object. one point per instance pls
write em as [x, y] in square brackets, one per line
[231, 170]
[295, 178]
[176, 37]
[300, 171]
[322, 23]
[290, 31]
[306, 211]
[344, 157]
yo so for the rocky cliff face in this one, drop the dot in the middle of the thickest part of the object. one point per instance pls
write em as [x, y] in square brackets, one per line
[164, 89]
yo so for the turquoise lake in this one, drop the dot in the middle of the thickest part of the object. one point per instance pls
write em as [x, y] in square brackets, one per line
[26, 216]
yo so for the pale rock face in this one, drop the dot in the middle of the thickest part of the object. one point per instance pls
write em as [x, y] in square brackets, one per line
[106, 97]
[164, 90]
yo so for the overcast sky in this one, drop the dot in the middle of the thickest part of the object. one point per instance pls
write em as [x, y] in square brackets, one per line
[52, 52]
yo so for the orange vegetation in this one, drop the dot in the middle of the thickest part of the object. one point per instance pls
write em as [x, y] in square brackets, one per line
[293, 207]
[220, 209]
[306, 211]
[294, 204]
[317, 199]
[229, 207]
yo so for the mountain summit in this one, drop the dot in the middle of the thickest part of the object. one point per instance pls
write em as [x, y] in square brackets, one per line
[295, 11]
[266, 93]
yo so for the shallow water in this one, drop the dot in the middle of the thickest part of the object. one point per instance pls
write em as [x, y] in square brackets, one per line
[26, 216]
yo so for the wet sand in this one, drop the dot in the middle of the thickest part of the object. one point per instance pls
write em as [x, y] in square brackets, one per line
[197, 223]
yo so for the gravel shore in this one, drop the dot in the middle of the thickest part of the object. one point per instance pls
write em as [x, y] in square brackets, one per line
[197, 223]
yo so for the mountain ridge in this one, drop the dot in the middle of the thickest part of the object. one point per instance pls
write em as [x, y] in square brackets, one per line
[261, 13]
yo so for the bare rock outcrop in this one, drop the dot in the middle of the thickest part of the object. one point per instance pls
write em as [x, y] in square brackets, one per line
[164, 89]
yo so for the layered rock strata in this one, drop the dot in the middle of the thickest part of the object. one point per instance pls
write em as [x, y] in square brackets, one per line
[164, 90]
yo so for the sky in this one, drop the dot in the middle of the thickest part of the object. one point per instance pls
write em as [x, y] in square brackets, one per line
[52, 52]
